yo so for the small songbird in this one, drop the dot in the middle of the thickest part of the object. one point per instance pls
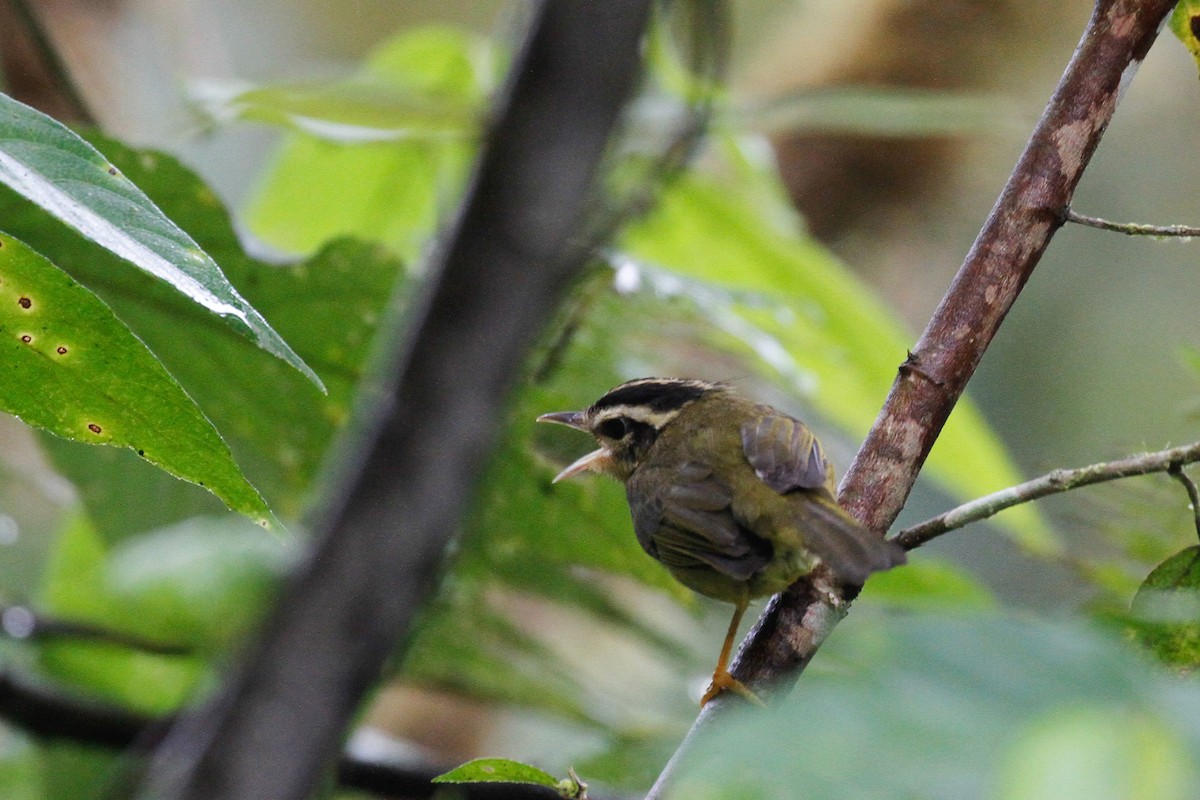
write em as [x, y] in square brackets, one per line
[734, 498]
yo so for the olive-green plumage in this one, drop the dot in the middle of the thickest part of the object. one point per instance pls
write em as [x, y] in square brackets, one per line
[735, 498]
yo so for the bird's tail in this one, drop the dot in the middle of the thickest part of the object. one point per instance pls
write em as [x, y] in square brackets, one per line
[851, 551]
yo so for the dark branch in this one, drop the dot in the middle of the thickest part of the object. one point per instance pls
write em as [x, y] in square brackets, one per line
[1029, 211]
[505, 266]
[22, 622]
[48, 714]
[36, 71]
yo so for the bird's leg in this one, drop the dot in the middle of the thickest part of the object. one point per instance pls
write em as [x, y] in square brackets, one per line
[722, 680]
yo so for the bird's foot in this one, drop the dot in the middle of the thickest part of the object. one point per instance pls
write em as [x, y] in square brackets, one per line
[722, 681]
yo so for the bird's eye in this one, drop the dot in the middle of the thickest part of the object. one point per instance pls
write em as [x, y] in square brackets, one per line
[614, 428]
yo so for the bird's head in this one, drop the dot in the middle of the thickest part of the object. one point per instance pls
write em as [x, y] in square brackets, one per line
[627, 420]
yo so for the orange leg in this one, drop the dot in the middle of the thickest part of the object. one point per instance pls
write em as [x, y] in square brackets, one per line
[722, 681]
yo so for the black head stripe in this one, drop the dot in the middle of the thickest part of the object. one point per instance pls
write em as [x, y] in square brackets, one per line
[657, 394]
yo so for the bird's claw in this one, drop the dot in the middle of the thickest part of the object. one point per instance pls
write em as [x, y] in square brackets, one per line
[723, 681]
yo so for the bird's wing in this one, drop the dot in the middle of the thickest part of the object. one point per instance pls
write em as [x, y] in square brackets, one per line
[784, 453]
[788, 458]
[683, 519]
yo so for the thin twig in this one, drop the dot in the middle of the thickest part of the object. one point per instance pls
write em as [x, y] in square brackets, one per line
[1133, 228]
[1189, 485]
[1026, 216]
[21, 622]
[1059, 480]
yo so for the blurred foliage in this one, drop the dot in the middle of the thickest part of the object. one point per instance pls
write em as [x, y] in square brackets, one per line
[1185, 24]
[983, 705]
[546, 591]
[396, 190]
[1166, 610]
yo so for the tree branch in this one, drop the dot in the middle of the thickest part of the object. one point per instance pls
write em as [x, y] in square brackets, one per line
[1028, 212]
[1060, 480]
[21, 622]
[510, 255]
[43, 79]
[1133, 228]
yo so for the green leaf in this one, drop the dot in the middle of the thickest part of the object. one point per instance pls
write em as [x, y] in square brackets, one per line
[396, 190]
[1185, 24]
[73, 369]
[1166, 609]
[50, 166]
[278, 424]
[497, 770]
[733, 248]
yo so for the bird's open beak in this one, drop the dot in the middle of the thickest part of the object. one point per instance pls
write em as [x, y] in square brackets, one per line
[595, 461]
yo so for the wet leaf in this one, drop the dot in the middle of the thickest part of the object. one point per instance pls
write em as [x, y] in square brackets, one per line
[48, 165]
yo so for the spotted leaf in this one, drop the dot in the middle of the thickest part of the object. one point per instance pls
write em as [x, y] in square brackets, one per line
[71, 367]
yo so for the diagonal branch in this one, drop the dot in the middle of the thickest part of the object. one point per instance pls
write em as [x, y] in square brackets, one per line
[1028, 212]
[516, 244]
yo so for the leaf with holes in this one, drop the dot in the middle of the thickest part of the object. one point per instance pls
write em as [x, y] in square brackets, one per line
[72, 368]
[277, 423]
[50, 166]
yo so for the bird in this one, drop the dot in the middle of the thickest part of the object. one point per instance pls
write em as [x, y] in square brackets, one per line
[735, 498]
